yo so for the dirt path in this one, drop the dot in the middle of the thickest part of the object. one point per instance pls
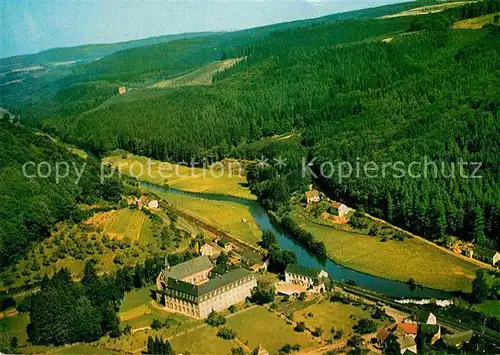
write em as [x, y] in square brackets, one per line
[138, 235]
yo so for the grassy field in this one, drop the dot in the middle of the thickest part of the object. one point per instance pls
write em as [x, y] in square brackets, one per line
[395, 259]
[201, 76]
[202, 341]
[227, 181]
[259, 326]
[227, 216]
[328, 315]
[14, 327]
[138, 311]
[476, 22]
[424, 10]
[124, 223]
[71, 245]
[489, 308]
[135, 298]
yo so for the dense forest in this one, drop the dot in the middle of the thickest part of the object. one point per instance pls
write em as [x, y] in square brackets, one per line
[30, 206]
[393, 90]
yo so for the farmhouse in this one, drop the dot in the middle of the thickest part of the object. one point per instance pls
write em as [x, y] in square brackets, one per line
[208, 250]
[487, 255]
[186, 288]
[310, 277]
[312, 196]
[338, 209]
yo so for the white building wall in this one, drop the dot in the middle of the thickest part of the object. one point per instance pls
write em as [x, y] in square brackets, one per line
[221, 300]
[218, 300]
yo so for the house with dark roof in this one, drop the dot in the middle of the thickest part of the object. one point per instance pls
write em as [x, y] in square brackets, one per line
[194, 271]
[312, 278]
[185, 289]
[484, 254]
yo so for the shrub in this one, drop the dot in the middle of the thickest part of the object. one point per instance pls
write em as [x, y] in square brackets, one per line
[263, 293]
[338, 334]
[365, 326]
[300, 327]
[378, 314]
[317, 332]
[233, 308]
[7, 302]
[355, 340]
[226, 333]
[156, 324]
[215, 319]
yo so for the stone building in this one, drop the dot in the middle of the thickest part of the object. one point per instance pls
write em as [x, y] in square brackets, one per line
[195, 271]
[310, 277]
[186, 288]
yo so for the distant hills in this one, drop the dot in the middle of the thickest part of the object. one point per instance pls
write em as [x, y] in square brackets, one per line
[91, 52]
[88, 52]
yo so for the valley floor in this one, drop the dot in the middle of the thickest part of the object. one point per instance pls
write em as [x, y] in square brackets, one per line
[390, 258]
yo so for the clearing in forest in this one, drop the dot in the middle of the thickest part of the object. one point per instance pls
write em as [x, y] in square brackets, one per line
[424, 10]
[222, 178]
[200, 76]
[475, 23]
[122, 223]
[229, 217]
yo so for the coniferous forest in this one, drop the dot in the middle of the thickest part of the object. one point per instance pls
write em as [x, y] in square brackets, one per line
[349, 89]
[431, 92]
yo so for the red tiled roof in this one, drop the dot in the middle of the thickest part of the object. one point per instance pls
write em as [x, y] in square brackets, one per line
[383, 334]
[408, 328]
[336, 204]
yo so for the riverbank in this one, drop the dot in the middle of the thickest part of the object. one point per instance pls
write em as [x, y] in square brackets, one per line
[390, 258]
[224, 178]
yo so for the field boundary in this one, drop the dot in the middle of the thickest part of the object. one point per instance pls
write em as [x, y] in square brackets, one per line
[422, 239]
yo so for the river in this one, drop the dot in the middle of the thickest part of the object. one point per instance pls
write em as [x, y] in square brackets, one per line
[337, 272]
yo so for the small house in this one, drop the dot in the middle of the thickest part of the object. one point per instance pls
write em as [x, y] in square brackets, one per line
[338, 209]
[310, 277]
[207, 249]
[486, 255]
[122, 90]
[312, 196]
[153, 204]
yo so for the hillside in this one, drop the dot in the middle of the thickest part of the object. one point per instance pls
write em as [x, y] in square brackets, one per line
[32, 202]
[87, 52]
[69, 66]
[352, 96]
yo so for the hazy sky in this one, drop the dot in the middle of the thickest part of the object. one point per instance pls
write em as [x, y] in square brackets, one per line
[29, 26]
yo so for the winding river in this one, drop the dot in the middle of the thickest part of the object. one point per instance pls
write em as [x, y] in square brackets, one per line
[387, 287]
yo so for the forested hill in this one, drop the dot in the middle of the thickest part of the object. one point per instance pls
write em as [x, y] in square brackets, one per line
[30, 206]
[87, 52]
[389, 90]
